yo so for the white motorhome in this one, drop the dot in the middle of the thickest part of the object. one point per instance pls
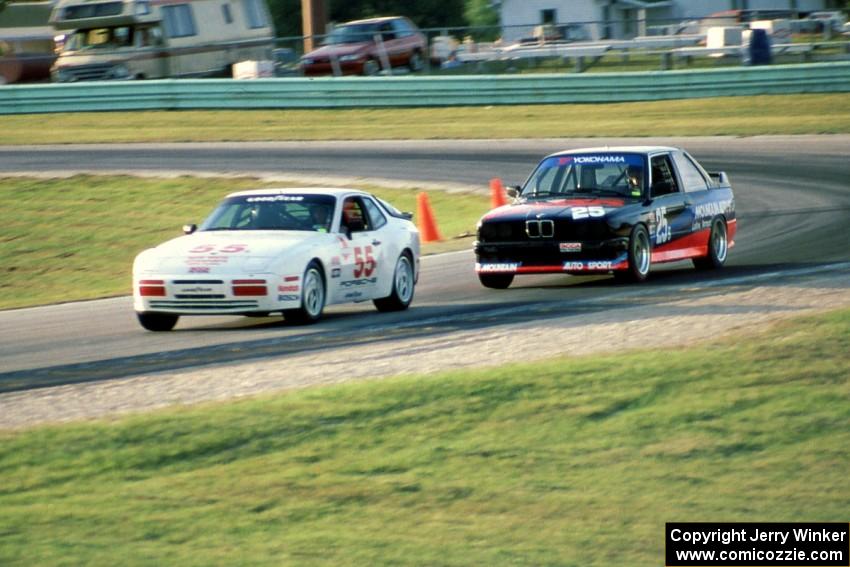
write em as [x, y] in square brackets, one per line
[151, 39]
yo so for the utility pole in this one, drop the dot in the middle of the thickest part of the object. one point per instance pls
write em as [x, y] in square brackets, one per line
[314, 20]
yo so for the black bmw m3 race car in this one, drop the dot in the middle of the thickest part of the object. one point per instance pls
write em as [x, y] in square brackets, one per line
[608, 210]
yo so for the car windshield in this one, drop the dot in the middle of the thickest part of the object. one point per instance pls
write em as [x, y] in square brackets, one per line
[598, 174]
[273, 212]
[100, 38]
[352, 33]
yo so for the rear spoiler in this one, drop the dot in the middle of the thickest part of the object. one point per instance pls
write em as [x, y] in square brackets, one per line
[719, 178]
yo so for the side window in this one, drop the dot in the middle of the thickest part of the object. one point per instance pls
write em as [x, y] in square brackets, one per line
[692, 179]
[179, 20]
[225, 12]
[402, 28]
[376, 217]
[663, 178]
[255, 13]
[387, 33]
[353, 216]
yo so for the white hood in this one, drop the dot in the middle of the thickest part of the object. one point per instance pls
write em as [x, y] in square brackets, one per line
[224, 252]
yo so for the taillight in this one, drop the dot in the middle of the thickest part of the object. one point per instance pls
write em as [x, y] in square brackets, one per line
[152, 288]
[250, 287]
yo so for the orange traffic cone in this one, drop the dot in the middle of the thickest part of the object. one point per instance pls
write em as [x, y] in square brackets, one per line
[428, 230]
[497, 193]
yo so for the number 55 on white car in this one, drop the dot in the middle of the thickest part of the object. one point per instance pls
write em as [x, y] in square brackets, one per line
[292, 251]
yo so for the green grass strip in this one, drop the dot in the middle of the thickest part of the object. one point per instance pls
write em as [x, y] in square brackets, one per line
[571, 462]
[75, 238]
[739, 116]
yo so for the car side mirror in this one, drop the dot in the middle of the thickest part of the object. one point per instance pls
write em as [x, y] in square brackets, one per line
[407, 215]
[512, 191]
[189, 228]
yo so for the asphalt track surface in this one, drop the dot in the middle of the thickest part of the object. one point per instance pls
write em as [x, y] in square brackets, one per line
[792, 193]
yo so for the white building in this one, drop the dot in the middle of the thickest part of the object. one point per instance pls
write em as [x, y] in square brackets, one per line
[629, 18]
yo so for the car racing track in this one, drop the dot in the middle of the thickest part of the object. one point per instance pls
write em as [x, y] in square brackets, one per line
[792, 197]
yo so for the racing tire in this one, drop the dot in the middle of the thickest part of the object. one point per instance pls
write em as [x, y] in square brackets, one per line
[640, 257]
[157, 322]
[718, 247]
[403, 287]
[313, 297]
[496, 281]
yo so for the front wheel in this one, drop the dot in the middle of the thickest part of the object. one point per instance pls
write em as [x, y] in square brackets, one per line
[312, 297]
[403, 287]
[371, 68]
[718, 248]
[496, 281]
[157, 322]
[640, 256]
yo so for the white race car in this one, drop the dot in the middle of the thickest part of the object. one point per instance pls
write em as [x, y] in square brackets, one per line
[281, 250]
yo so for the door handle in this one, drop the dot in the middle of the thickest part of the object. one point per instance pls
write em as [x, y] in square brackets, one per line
[376, 243]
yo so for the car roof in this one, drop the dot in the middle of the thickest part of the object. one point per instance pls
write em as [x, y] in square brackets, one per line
[617, 150]
[373, 20]
[332, 191]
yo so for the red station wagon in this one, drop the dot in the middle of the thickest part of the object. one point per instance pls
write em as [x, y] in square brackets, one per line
[358, 48]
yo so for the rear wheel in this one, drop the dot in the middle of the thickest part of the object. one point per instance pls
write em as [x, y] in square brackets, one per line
[416, 62]
[496, 281]
[312, 297]
[640, 256]
[157, 322]
[718, 247]
[403, 287]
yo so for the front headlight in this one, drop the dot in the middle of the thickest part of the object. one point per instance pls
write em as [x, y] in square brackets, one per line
[147, 262]
[120, 72]
[349, 58]
[257, 264]
[61, 75]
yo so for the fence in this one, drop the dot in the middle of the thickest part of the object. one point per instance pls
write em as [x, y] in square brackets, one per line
[415, 91]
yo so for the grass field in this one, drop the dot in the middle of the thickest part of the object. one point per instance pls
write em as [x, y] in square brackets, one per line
[69, 239]
[572, 462]
[739, 116]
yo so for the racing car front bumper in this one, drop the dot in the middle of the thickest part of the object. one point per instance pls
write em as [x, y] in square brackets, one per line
[541, 257]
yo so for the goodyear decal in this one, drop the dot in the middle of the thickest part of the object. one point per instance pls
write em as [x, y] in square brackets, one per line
[274, 198]
[358, 282]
